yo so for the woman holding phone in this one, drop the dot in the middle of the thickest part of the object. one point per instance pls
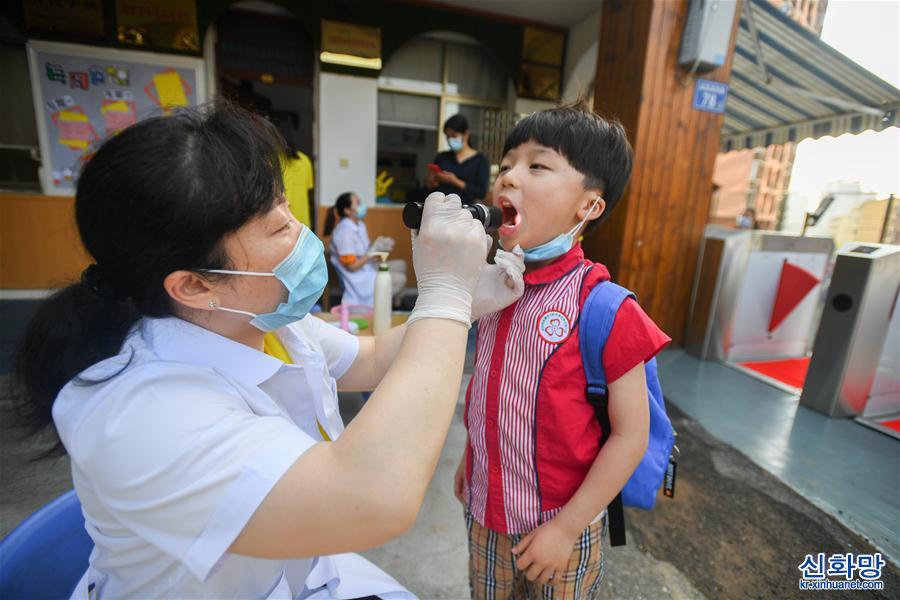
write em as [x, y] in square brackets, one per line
[461, 170]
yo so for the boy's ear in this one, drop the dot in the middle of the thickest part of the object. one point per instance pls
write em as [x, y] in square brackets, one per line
[590, 210]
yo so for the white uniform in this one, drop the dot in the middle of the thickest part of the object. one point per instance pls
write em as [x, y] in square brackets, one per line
[177, 448]
[350, 238]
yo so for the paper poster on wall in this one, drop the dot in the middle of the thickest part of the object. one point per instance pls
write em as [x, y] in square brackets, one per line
[118, 115]
[168, 89]
[84, 94]
[74, 129]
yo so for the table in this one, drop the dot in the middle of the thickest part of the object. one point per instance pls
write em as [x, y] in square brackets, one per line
[397, 318]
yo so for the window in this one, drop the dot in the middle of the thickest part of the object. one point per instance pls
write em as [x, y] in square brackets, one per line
[428, 80]
[406, 110]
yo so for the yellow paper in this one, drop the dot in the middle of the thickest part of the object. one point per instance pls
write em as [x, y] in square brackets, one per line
[68, 116]
[169, 89]
[80, 144]
[118, 106]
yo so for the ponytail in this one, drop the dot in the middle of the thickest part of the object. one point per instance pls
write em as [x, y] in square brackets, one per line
[73, 329]
[343, 202]
[330, 221]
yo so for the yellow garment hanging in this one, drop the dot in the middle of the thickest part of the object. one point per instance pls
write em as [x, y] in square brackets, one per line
[298, 179]
[274, 348]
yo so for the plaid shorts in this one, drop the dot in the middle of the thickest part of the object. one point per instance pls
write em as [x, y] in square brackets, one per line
[493, 574]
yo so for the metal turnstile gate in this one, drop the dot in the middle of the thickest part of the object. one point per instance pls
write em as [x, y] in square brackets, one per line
[854, 366]
[756, 300]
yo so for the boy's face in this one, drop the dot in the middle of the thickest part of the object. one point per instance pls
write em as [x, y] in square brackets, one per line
[541, 196]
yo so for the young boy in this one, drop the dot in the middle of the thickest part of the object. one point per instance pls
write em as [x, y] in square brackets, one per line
[533, 479]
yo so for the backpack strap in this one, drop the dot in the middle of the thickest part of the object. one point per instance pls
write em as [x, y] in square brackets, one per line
[598, 314]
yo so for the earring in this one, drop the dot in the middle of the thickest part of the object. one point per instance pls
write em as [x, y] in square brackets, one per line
[213, 304]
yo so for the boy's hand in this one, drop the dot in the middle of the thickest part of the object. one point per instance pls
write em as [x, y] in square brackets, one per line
[459, 480]
[544, 553]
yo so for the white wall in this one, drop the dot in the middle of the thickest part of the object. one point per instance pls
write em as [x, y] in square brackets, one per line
[581, 57]
[347, 137]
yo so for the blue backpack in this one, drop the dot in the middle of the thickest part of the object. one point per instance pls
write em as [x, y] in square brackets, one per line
[658, 464]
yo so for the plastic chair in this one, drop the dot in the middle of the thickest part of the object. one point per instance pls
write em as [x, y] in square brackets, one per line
[46, 555]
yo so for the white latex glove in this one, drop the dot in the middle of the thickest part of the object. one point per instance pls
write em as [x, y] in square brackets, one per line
[500, 284]
[448, 255]
[382, 244]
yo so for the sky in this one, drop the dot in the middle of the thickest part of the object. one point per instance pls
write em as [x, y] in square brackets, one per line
[868, 32]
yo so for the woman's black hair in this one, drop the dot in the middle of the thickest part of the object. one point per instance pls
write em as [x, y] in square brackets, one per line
[337, 212]
[457, 122]
[157, 198]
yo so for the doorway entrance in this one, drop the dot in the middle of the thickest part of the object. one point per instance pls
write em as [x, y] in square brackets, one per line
[265, 62]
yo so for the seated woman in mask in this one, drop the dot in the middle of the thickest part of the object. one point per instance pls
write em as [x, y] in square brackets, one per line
[352, 254]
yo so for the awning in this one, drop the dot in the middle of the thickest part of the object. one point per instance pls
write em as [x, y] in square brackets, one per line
[802, 88]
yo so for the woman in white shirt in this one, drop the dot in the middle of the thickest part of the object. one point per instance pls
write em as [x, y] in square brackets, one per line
[351, 251]
[197, 397]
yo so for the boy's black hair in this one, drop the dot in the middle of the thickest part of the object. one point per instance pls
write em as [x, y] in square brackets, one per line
[596, 147]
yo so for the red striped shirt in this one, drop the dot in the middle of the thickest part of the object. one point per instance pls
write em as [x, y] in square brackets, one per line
[532, 434]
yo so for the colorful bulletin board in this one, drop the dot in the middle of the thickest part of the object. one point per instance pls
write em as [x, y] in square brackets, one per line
[84, 94]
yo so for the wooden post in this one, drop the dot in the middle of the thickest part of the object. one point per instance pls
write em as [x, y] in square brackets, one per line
[652, 239]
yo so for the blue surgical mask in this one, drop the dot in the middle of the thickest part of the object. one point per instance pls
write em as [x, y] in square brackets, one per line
[558, 245]
[361, 211]
[303, 272]
[455, 143]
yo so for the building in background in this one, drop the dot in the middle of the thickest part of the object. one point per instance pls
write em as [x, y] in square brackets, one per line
[758, 178]
[856, 215]
[809, 13]
[866, 223]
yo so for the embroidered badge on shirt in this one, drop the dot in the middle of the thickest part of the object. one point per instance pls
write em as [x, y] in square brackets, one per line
[553, 326]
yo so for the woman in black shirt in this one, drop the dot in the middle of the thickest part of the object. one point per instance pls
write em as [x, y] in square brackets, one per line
[464, 170]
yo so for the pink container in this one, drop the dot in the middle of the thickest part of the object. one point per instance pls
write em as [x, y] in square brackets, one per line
[354, 310]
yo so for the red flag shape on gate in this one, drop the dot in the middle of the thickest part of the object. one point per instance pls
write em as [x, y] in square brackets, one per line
[795, 284]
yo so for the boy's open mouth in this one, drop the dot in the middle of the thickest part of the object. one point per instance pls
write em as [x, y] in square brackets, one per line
[511, 217]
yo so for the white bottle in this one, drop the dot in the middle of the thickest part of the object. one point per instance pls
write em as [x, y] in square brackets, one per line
[381, 314]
